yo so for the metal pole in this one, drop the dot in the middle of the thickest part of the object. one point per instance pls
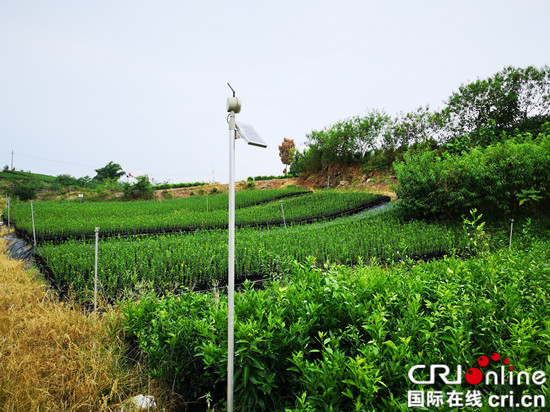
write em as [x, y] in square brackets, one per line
[511, 230]
[33, 227]
[283, 212]
[95, 268]
[9, 225]
[231, 265]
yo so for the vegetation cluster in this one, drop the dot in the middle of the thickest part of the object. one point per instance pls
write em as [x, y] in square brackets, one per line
[342, 339]
[27, 186]
[510, 176]
[64, 220]
[199, 260]
[512, 101]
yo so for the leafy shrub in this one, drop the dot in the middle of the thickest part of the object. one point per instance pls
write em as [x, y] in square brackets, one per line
[60, 220]
[23, 191]
[142, 189]
[478, 240]
[344, 339]
[270, 177]
[490, 179]
[178, 185]
[201, 258]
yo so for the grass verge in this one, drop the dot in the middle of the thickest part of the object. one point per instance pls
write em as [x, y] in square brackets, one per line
[54, 356]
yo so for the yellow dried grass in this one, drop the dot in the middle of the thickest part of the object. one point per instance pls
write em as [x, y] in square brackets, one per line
[55, 356]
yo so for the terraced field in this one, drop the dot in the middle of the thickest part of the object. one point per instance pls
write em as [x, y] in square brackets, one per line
[167, 245]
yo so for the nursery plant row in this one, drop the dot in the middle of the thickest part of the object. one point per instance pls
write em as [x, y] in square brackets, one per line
[344, 339]
[62, 222]
[199, 259]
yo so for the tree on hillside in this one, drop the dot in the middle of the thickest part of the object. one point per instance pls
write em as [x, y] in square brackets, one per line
[503, 102]
[65, 181]
[109, 171]
[23, 190]
[348, 142]
[479, 113]
[287, 150]
[142, 189]
[420, 126]
[83, 181]
[370, 132]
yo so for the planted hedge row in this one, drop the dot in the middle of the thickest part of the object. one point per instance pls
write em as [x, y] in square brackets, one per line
[63, 220]
[199, 259]
[344, 339]
[170, 219]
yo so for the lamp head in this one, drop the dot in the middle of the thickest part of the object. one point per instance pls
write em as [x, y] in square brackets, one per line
[233, 104]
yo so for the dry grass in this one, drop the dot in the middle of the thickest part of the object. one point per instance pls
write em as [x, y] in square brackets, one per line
[56, 357]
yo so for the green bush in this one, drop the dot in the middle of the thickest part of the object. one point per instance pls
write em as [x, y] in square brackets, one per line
[200, 258]
[178, 185]
[490, 179]
[344, 339]
[142, 189]
[23, 191]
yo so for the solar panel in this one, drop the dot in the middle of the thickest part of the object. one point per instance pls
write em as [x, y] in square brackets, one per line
[249, 134]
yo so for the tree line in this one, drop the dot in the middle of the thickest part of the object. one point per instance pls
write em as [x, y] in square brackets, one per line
[25, 186]
[512, 101]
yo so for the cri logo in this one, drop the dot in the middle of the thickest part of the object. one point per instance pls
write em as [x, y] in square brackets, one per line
[474, 376]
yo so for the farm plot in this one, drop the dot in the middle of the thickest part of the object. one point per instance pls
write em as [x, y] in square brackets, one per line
[200, 258]
[344, 339]
[72, 220]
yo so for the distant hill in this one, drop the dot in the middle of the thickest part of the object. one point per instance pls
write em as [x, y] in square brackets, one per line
[15, 176]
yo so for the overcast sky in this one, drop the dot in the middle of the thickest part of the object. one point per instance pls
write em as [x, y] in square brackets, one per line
[143, 83]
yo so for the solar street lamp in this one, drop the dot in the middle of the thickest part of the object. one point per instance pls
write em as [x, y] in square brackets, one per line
[248, 134]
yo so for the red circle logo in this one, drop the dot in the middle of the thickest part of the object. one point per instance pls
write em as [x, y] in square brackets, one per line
[483, 361]
[473, 376]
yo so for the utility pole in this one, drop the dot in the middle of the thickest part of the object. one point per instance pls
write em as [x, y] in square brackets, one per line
[12, 160]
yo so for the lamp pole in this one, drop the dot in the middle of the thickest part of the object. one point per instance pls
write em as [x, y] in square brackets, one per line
[233, 107]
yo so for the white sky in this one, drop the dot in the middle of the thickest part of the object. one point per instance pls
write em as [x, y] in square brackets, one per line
[143, 83]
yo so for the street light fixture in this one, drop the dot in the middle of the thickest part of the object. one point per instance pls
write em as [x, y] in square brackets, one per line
[249, 134]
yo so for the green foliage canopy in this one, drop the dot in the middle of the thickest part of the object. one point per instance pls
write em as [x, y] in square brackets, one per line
[514, 100]
[434, 184]
[344, 339]
[503, 102]
[142, 189]
[109, 171]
